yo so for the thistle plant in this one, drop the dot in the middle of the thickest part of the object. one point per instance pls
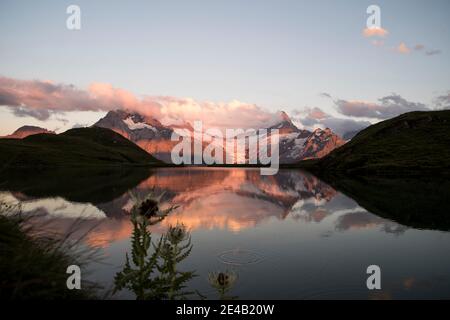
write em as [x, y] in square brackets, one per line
[223, 282]
[152, 272]
[138, 277]
[148, 207]
[176, 246]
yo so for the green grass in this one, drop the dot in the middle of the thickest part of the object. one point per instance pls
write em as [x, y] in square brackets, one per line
[74, 148]
[33, 266]
[413, 144]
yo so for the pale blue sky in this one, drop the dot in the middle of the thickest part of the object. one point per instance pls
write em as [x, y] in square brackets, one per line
[277, 54]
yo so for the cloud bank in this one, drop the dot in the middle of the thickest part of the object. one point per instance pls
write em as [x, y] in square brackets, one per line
[41, 99]
[433, 52]
[387, 107]
[443, 101]
[357, 114]
[312, 118]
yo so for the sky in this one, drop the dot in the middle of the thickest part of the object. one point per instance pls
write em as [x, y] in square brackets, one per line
[224, 59]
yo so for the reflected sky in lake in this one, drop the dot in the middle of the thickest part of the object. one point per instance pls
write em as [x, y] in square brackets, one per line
[288, 236]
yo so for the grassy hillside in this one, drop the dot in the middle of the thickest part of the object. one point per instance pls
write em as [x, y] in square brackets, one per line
[74, 148]
[412, 144]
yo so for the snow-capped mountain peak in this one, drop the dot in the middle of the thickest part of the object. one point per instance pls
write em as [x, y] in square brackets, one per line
[155, 137]
[284, 116]
[133, 125]
[284, 124]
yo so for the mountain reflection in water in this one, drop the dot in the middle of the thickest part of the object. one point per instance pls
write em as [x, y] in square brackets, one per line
[213, 198]
[286, 220]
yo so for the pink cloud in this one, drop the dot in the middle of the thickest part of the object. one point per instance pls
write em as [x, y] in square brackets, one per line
[403, 48]
[316, 113]
[375, 32]
[358, 108]
[39, 99]
[233, 114]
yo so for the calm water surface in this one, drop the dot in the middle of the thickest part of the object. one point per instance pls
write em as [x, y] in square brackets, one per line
[288, 236]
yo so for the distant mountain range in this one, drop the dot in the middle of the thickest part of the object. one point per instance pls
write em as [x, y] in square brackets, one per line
[415, 143]
[26, 131]
[154, 137]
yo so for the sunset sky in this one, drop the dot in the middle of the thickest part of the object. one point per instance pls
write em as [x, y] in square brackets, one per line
[243, 60]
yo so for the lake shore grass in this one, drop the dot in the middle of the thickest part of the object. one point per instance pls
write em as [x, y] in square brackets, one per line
[33, 266]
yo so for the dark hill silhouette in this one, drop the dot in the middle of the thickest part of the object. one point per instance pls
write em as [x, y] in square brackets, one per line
[74, 148]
